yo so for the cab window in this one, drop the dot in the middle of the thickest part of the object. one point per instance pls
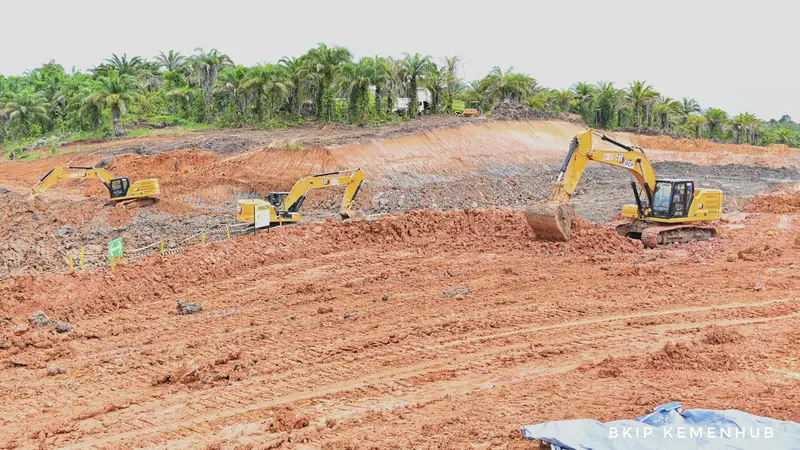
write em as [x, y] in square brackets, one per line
[661, 198]
[679, 200]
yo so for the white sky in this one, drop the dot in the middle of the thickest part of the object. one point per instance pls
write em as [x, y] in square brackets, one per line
[736, 55]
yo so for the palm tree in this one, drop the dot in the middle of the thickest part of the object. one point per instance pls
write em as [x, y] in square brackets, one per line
[583, 98]
[508, 85]
[689, 106]
[354, 80]
[745, 124]
[268, 80]
[640, 96]
[394, 80]
[696, 122]
[414, 67]
[435, 81]
[123, 65]
[206, 68]
[785, 136]
[115, 92]
[379, 77]
[715, 118]
[606, 100]
[230, 80]
[172, 61]
[23, 110]
[451, 64]
[296, 80]
[324, 63]
[562, 100]
[664, 108]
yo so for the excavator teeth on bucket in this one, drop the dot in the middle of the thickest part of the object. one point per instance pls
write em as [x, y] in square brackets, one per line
[550, 223]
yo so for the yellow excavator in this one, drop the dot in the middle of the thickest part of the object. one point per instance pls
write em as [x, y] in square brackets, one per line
[666, 210]
[281, 208]
[121, 190]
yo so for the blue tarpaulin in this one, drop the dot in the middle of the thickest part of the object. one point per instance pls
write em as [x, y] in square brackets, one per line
[670, 427]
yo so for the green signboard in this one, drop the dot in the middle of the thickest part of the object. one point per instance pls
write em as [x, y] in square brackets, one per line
[115, 248]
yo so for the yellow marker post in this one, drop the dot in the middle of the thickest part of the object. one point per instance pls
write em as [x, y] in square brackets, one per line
[162, 250]
[227, 232]
[203, 238]
[83, 260]
[69, 258]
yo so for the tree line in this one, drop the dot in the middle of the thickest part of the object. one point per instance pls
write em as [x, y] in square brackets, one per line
[327, 84]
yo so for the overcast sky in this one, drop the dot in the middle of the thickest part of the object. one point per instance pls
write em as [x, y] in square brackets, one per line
[735, 55]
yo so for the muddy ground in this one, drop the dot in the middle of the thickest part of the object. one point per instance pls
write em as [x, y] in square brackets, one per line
[424, 325]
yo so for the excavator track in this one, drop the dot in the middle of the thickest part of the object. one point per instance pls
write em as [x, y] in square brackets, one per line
[656, 235]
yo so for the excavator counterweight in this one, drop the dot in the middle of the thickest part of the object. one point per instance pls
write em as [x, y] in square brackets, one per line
[666, 210]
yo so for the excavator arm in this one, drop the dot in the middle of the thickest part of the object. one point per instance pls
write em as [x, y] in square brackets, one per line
[57, 174]
[582, 151]
[350, 178]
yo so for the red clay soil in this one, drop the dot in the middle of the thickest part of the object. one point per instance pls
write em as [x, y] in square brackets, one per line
[781, 201]
[418, 330]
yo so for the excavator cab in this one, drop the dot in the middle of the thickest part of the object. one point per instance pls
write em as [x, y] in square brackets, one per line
[277, 198]
[672, 198]
[118, 187]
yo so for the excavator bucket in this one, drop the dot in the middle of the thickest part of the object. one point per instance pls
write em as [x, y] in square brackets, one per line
[550, 222]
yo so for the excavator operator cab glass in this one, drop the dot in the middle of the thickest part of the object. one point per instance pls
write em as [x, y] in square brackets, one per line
[119, 187]
[277, 198]
[661, 199]
[682, 193]
[672, 199]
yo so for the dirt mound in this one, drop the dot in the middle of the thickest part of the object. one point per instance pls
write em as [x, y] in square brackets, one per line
[591, 237]
[680, 356]
[508, 110]
[758, 252]
[775, 203]
[716, 335]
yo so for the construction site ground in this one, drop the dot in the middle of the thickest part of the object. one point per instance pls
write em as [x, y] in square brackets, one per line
[437, 321]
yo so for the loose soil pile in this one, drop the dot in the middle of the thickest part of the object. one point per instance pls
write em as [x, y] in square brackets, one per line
[784, 200]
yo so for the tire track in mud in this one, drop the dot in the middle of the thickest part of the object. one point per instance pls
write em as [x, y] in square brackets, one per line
[501, 362]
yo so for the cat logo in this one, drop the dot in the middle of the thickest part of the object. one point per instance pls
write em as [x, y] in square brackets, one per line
[620, 158]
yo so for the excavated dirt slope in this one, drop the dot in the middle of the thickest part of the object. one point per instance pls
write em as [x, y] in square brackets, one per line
[424, 325]
[449, 164]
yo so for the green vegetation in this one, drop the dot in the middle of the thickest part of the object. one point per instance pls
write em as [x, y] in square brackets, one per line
[135, 96]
